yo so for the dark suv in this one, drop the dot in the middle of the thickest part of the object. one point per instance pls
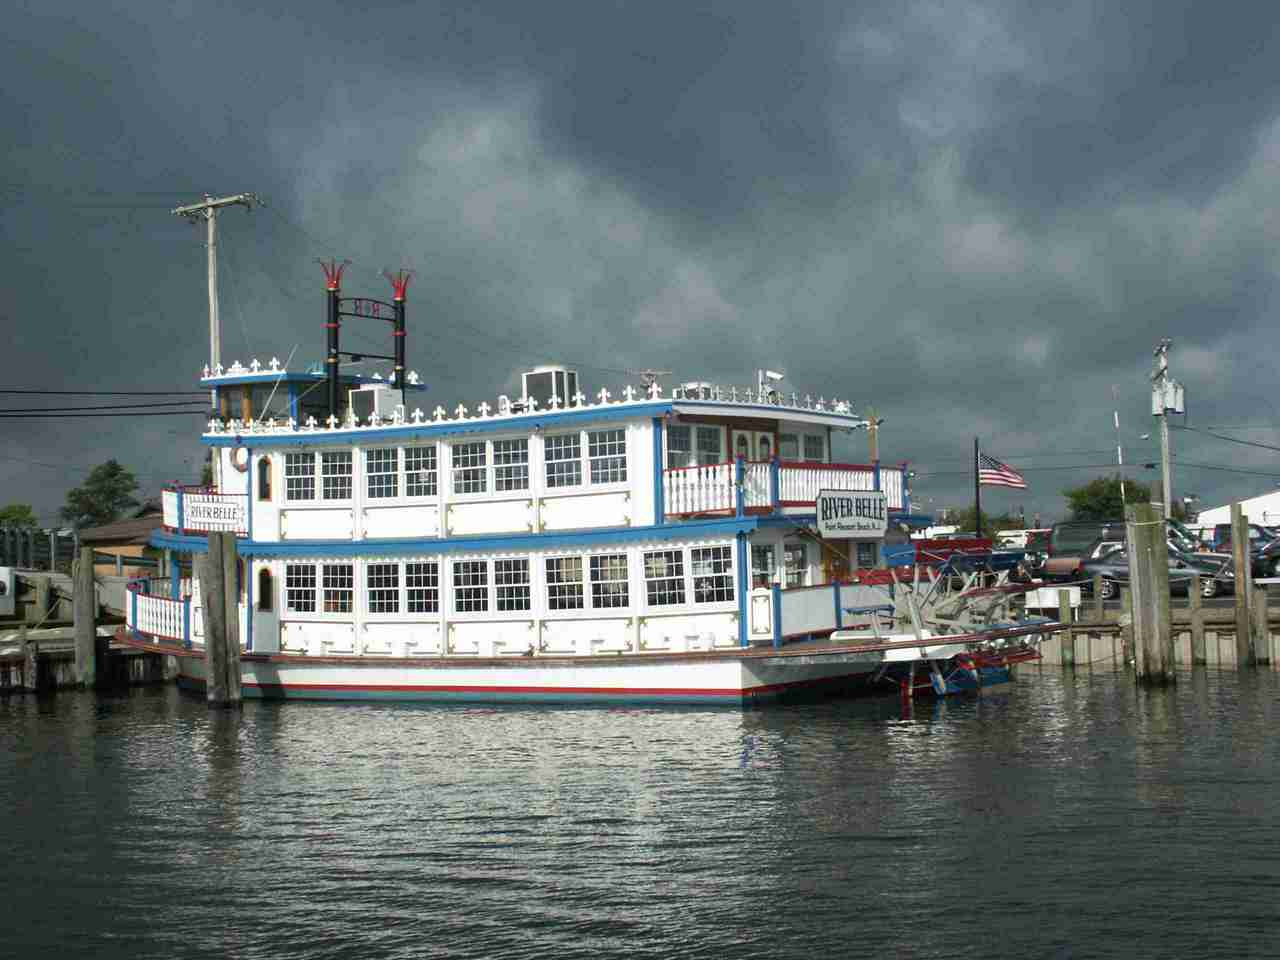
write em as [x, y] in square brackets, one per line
[1071, 541]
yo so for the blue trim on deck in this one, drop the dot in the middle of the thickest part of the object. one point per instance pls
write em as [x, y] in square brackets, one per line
[727, 527]
[776, 591]
[744, 635]
[659, 507]
[520, 423]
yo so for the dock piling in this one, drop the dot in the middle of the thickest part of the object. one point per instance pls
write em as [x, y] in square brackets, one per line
[1067, 641]
[1149, 589]
[221, 621]
[231, 617]
[84, 606]
[1197, 623]
[1244, 587]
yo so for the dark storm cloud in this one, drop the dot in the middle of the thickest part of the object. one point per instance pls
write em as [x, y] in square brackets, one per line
[974, 217]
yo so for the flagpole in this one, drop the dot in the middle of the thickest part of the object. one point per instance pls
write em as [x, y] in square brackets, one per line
[977, 492]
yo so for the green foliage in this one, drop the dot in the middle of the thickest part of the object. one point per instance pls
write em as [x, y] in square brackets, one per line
[966, 519]
[105, 494]
[18, 515]
[1099, 499]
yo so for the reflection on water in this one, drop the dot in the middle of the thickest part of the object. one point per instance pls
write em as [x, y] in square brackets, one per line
[1064, 816]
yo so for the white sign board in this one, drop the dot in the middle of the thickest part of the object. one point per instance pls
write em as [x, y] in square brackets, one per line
[856, 514]
[202, 514]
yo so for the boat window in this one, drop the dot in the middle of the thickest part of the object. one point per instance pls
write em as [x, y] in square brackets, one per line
[382, 473]
[339, 587]
[335, 474]
[761, 565]
[788, 446]
[742, 446]
[511, 464]
[563, 455]
[300, 587]
[383, 583]
[664, 577]
[470, 586]
[710, 446]
[299, 476]
[866, 554]
[420, 471]
[679, 452]
[564, 583]
[607, 451]
[470, 467]
[813, 447]
[609, 581]
[765, 447]
[512, 580]
[422, 587]
[712, 574]
[264, 478]
[796, 563]
[266, 590]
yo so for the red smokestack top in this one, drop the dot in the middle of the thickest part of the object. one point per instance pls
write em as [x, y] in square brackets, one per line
[333, 273]
[399, 282]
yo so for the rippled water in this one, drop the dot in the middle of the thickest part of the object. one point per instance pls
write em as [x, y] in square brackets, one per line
[1062, 817]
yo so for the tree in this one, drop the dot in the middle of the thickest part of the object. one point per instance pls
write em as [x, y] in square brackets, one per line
[105, 494]
[1099, 499]
[967, 519]
[18, 515]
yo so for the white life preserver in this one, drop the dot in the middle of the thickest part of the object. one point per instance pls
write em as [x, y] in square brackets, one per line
[240, 458]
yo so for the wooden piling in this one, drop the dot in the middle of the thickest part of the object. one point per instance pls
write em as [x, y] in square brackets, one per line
[1149, 583]
[1197, 623]
[1067, 637]
[1258, 611]
[1244, 586]
[231, 599]
[84, 607]
[1099, 605]
[213, 596]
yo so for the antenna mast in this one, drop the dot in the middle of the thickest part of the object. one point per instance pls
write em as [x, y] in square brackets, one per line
[206, 210]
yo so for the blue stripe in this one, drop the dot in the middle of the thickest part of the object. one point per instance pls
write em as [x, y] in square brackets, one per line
[524, 423]
[659, 507]
[744, 637]
[726, 527]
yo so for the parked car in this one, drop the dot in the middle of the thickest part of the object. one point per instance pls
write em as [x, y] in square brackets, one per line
[1221, 542]
[1071, 541]
[1114, 568]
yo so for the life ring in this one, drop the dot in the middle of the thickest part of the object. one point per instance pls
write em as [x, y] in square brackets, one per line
[240, 458]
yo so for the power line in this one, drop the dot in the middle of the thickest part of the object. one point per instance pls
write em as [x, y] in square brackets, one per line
[110, 393]
[113, 406]
[1221, 436]
[4, 415]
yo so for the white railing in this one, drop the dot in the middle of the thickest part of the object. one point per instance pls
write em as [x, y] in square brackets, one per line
[755, 484]
[800, 483]
[156, 616]
[706, 489]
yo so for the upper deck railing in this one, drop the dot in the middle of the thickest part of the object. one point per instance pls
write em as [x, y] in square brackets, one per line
[189, 509]
[770, 485]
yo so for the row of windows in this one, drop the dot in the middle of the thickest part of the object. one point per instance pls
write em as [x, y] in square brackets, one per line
[476, 467]
[596, 582]
[690, 446]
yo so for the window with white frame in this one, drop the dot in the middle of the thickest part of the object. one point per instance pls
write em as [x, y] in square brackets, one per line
[609, 588]
[679, 447]
[420, 471]
[712, 574]
[470, 467]
[788, 446]
[664, 577]
[511, 578]
[300, 476]
[422, 586]
[762, 565]
[607, 451]
[382, 473]
[338, 583]
[866, 554]
[300, 587]
[470, 586]
[562, 453]
[511, 464]
[335, 475]
[710, 446]
[564, 583]
[383, 583]
[814, 447]
[796, 562]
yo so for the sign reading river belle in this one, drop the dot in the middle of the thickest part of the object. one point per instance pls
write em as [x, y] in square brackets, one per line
[857, 514]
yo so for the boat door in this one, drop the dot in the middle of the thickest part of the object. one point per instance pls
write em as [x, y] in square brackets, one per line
[753, 444]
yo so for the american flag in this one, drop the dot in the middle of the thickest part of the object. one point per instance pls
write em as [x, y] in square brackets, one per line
[993, 473]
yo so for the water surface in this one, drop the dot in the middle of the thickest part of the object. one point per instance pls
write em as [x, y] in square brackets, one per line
[1065, 816]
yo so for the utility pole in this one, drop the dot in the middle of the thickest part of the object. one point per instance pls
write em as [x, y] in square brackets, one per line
[1166, 398]
[207, 210]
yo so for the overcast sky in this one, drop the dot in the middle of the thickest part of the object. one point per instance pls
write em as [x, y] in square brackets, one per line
[975, 218]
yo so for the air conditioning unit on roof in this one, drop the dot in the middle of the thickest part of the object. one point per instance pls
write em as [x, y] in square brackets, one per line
[370, 398]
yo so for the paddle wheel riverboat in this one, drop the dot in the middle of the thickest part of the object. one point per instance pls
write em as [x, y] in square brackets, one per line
[647, 545]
